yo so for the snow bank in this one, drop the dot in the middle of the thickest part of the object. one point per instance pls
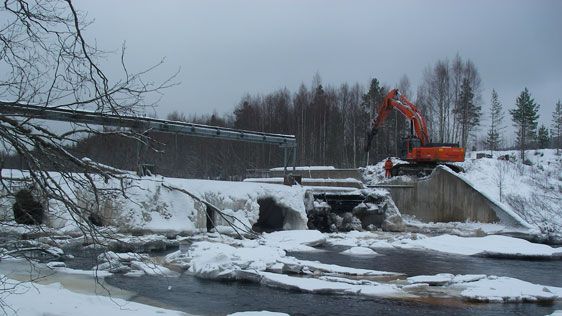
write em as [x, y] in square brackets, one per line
[533, 192]
[373, 174]
[493, 245]
[529, 193]
[32, 299]
[157, 204]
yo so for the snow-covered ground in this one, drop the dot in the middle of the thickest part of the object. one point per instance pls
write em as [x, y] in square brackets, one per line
[157, 204]
[534, 191]
[32, 299]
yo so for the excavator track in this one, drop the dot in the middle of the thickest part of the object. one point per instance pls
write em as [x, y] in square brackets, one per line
[420, 170]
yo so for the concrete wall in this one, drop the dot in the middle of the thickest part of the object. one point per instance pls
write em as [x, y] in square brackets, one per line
[444, 197]
[322, 174]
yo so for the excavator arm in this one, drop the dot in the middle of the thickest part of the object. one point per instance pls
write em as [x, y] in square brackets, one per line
[395, 100]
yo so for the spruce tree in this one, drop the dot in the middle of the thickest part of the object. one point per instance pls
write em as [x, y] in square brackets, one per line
[371, 102]
[525, 116]
[557, 126]
[543, 138]
[494, 138]
[468, 113]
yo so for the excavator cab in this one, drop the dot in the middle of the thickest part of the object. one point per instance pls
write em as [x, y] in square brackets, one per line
[408, 144]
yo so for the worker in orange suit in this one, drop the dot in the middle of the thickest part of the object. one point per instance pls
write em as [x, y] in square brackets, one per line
[387, 168]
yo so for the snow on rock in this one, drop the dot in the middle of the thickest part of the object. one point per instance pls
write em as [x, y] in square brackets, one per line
[327, 286]
[465, 229]
[220, 261]
[359, 251]
[258, 313]
[505, 289]
[293, 265]
[364, 239]
[32, 299]
[493, 245]
[295, 240]
[122, 263]
[482, 288]
[373, 174]
[217, 260]
[438, 279]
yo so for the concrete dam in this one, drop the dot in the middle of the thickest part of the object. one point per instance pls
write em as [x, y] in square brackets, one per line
[443, 196]
[446, 197]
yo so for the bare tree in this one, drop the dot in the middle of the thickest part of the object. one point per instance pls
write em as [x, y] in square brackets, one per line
[502, 169]
[46, 61]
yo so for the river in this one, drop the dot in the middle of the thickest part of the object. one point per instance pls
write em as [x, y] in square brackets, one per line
[206, 297]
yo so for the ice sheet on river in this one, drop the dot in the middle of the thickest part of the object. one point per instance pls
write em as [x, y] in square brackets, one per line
[215, 260]
[482, 288]
[494, 245]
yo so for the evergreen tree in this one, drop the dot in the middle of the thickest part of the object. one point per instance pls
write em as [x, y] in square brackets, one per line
[557, 126]
[467, 112]
[494, 138]
[371, 102]
[525, 116]
[543, 139]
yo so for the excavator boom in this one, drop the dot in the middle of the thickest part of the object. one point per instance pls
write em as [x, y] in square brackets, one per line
[419, 147]
[395, 100]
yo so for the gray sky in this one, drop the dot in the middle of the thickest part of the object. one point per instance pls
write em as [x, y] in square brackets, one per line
[227, 48]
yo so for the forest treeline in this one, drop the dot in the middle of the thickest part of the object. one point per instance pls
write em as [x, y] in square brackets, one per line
[329, 122]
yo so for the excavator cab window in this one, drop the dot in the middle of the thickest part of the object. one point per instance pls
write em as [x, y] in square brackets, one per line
[409, 143]
[414, 143]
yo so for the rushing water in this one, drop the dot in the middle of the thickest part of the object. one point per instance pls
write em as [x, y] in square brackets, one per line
[206, 297]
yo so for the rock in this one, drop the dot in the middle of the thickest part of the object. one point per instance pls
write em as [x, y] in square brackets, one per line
[26, 209]
[350, 222]
[56, 264]
[393, 223]
[359, 251]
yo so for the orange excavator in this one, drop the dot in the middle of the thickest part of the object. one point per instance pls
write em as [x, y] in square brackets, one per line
[422, 155]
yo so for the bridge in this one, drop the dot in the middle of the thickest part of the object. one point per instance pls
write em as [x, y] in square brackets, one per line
[286, 142]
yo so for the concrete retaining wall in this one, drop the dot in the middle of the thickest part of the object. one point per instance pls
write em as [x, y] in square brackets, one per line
[444, 197]
[321, 174]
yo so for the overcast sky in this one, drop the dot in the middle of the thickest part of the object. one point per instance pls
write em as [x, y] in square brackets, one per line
[228, 48]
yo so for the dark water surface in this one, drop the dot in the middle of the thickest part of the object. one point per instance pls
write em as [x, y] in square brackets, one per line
[206, 297]
[418, 262]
